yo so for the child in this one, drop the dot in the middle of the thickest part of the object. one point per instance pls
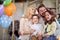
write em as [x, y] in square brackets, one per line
[49, 26]
[36, 26]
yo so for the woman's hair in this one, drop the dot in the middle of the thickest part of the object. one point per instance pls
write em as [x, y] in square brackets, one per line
[35, 15]
[52, 19]
[27, 14]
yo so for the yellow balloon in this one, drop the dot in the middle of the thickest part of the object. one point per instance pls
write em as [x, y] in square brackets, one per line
[10, 9]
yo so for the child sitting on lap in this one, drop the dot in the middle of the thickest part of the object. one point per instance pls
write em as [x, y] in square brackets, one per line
[36, 26]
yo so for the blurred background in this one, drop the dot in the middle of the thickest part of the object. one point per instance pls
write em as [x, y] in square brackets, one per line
[21, 7]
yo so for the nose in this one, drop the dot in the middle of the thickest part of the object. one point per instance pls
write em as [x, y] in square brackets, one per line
[47, 17]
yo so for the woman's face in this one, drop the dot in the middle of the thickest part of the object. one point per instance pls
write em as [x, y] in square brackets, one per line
[32, 11]
[35, 19]
[42, 10]
[48, 16]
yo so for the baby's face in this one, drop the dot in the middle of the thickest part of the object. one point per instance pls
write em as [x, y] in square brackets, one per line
[35, 19]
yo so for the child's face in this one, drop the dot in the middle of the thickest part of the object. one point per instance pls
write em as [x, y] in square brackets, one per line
[48, 16]
[35, 19]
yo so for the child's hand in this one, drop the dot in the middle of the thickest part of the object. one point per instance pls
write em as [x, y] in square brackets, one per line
[45, 35]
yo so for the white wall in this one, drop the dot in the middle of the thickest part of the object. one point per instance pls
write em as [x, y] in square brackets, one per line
[19, 12]
[50, 3]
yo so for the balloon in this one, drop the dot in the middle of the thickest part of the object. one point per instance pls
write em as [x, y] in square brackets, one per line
[1, 10]
[10, 9]
[5, 21]
[7, 2]
[0, 22]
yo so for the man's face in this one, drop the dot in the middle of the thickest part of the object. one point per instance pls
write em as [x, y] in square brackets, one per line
[42, 10]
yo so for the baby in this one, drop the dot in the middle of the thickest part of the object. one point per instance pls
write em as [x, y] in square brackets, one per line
[36, 25]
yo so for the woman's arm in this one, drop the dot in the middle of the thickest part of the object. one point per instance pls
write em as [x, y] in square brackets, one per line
[28, 32]
[21, 30]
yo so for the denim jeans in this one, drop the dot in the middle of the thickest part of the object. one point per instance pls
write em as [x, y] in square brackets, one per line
[50, 38]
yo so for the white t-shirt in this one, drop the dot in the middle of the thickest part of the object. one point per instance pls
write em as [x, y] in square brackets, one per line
[38, 28]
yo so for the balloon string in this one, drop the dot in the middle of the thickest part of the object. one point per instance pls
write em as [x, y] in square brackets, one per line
[3, 33]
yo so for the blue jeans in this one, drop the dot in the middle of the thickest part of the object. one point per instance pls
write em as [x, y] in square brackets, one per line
[49, 38]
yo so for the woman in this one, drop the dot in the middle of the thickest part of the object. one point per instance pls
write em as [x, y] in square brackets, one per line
[25, 23]
[49, 26]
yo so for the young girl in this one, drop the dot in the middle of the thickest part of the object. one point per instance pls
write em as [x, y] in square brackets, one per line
[36, 26]
[49, 27]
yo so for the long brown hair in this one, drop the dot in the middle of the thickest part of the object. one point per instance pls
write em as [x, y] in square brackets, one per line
[52, 18]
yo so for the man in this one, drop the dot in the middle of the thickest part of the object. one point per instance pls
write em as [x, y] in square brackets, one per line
[41, 9]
